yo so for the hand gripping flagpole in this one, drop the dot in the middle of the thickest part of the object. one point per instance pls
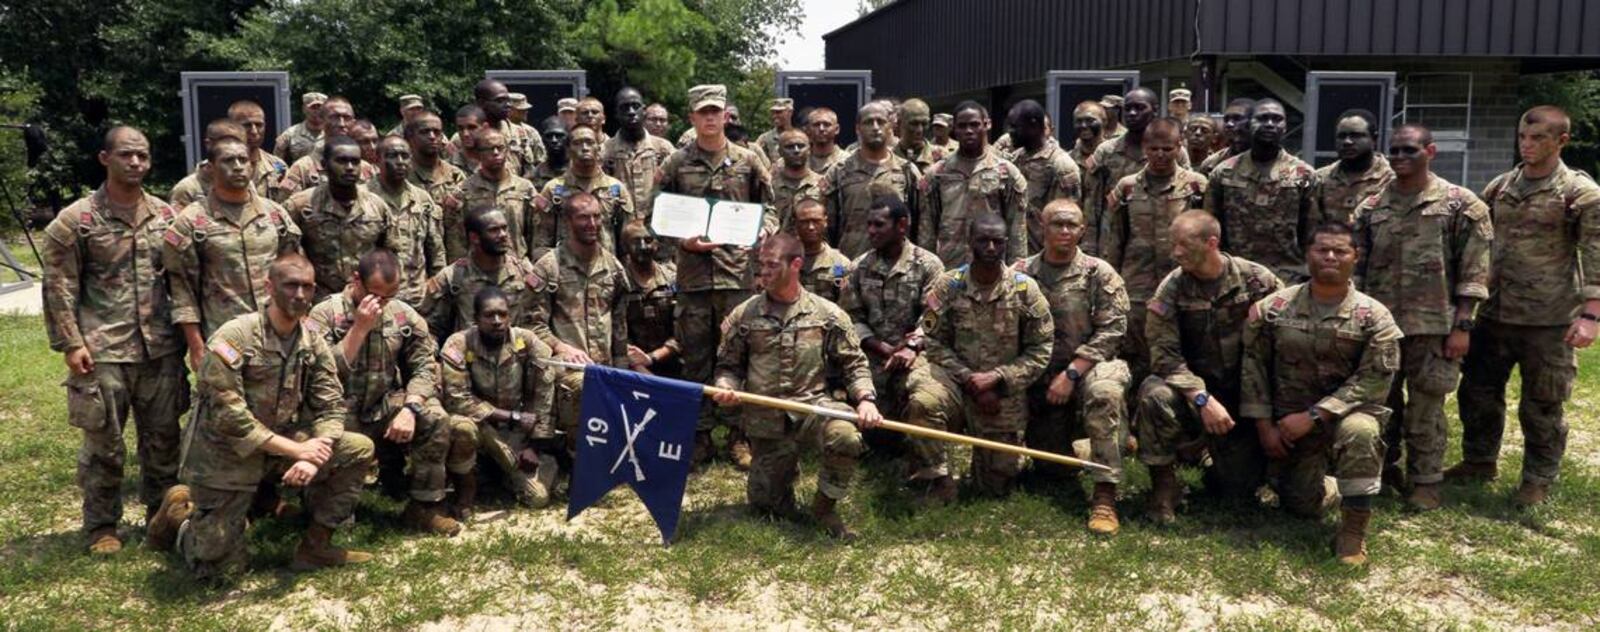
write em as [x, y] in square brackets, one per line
[901, 427]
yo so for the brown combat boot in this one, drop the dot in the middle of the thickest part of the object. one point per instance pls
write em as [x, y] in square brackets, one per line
[104, 541]
[161, 531]
[1530, 494]
[317, 551]
[1469, 471]
[1103, 509]
[943, 491]
[1424, 497]
[1164, 494]
[428, 517]
[822, 508]
[739, 453]
[466, 494]
[1350, 543]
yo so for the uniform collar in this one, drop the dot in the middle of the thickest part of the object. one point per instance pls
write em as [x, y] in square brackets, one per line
[1303, 302]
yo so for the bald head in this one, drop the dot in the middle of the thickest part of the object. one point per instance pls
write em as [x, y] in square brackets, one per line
[1196, 224]
[288, 264]
[122, 133]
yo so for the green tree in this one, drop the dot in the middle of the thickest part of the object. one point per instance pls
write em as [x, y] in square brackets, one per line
[1579, 94]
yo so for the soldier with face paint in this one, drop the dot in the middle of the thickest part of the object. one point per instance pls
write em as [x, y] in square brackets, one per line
[419, 222]
[795, 181]
[340, 220]
[871, 172]
[651, 301]
[967, 185]
[824, 270]
[1050, 172]
[913, 144]
[1122, 155]
[634, 154]
[555, 135]
[526, 148]
[430, 169]
[584, 175]
[1235, 132]
[782, 112]
[339, 119]
[493, 184]
[1264, 197]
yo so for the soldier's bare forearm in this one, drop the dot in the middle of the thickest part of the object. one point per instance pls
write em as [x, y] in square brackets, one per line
[192, 337]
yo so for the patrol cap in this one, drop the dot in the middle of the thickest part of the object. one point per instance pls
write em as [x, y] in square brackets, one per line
[313, 98]
[408, 101]
[1180, 94]
[520, 101]
[781, 103]
[942, 119]
[708, 95]
[1111, 101]
[568, 104]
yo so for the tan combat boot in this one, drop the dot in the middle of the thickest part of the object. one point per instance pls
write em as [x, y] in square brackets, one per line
[428, 517]
[822, 508]
[1350, 543]
[161, 531]
[1424, 497]
[317, 551]
[104, 541]
[466, 494]
[1469, 471]
[739, 453]
[1103, 509]
[1164, 494]
[1530, 494]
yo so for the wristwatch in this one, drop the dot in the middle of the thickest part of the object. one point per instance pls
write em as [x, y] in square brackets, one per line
[1073, 374]
[415, 408]
[1201, 399]
[1465, 324]
[516, 417]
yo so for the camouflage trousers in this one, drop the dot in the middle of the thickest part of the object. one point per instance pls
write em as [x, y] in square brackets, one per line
[775, 456]
[568, 400]
[429, 445]
[1097, 411]
[698, 325]
[212, 540]
[152, 395]
[502, 445]
[1548, 366]
[1170, 432]
[1352, 448]
[1135, 349]
[1417, 396]
[938, 402]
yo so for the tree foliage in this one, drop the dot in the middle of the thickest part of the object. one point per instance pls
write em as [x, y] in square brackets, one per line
[1579, 94]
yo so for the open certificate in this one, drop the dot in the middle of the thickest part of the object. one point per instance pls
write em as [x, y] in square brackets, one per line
[719, 221]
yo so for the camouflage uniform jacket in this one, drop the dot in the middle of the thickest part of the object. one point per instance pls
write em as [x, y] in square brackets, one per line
[851, 187]
[1138, 222]
[306, 174]
[477, 379]
[826, 273]
[418, 236]
[217, 262]
[526, 147]
[448, 303]
[1265, 213]
[923, 157]
[735, 175]
[1542, 230]
[1419, 259]
[1197, 339]
[1210, 163]
[103, 286]
[1088, 307]
[957, 191]
[821, 164]
[787, 193]
[582, 304]
[334, 236]
[884, 298]
[396, 360]
[616, 208]
[635, 165]
[1006, 328]
[1341, 363]
[444, 186]
[265, 173]
[1051, 175]
[1337, 193]
[650, 306]
[295, 143]
[514, 196]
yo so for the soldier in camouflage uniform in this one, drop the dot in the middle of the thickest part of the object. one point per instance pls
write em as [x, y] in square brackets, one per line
[583, 176]
[1236, 130]
[469, 119]
[431, 171]
[494, 383]
[656, 120]
[1425, 255]
[107, 312]
[784, 343]
[194, 186]
[494, 184]
[1082, 391]
[418, 236]
[592, 114]
[265, 169]
[967, 185]
[216, 251]
[989, 334]
[822, 128]
[296, 142]
[1136, 242]
[385, 357]
[524, 147]
[1121, 155]
[912, 136]
[1195, 330]
[1359, 173]
[712, 279]
[1050, 172]
[872, 171]
[782, 112]
[651, 300]
[940, 129]
[1543, 305]
[489, 261]
[1088, 121]
[795, 182]
[306, 173]
[270, 410]
[824, 270]
[1199, 135]
[339, 220]
[555, 162]
[633, 155]
[1318, 361]
[1263, 197]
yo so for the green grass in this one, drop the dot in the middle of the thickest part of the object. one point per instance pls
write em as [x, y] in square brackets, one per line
[1021, 562]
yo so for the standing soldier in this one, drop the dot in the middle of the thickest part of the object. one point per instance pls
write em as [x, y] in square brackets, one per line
[1178, 104]
[966, 185]
[824, 271]
[469, 119]
[265, 168]
[782, 111]
[391, 385]
[296, 142]
[784, 343]
[913, 144]
[1264, 197]
[217, 250]
[651, 301]
[1139, 212]
[1235, 131]
[417, 238]
[633, 155]
[1318, 361]
[524, 148]
[1050, 172]
[269, 403]
[1122, 155]
[1425, 256]
[872, 171]
[795, 182]
[106, 310]
[592, 114]
[193, 186]
[656, 120]
[1542, 306]
[1195, 330]
[339, 119]
[495, 184]
[1199, 136]
[822, 127]
[555, 149]
[1113, 104]
[583, 176]
[339, 220]
[448, 304]
[1360, 172]
[1088, 120]
[567, 112]
[495, 385]
[941, 129]
[989, 336]
[712, 279]
[411, 105]
[1082, 391]
[434, 174]
[518, 113]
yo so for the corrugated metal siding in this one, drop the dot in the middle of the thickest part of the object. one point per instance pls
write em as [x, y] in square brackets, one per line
[947, 46]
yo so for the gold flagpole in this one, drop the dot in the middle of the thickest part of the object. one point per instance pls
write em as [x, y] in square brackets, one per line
[901, 427]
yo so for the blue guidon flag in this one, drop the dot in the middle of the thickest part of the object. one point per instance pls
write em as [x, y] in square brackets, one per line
[636, 429]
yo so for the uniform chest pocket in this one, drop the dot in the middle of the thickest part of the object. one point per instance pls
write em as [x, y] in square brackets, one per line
[761, 337]
[1386, 236]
